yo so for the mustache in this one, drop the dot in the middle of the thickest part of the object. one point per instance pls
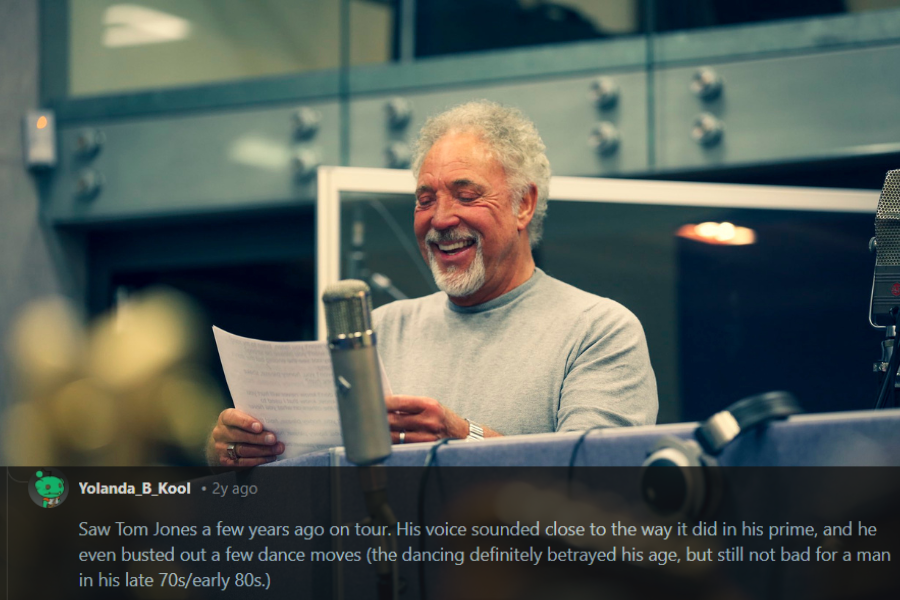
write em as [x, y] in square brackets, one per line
[446, 236]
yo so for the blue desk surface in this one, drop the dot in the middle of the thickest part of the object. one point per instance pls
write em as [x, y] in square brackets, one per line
[863, 438]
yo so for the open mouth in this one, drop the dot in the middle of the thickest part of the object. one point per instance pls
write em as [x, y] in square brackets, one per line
[455, 247]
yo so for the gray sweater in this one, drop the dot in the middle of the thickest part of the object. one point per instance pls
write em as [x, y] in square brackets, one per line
[543, 357]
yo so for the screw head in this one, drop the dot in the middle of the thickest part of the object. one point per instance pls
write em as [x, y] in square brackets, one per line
[305, 162]
[88, 143]
[399, 112]
[88, 184]
[706, 84]
[604, 138]
[605, 92]
[707, 130]
[398, 155]
[306, 122]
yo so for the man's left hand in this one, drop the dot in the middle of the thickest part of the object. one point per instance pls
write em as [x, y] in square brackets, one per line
[423, 420]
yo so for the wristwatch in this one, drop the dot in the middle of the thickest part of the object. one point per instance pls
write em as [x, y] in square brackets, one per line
[476, 432]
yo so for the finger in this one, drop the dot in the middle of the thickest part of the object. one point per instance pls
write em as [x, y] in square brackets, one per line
[409, 423]
[407, 404]
[413, 437]
[232, 417]
[234, 435]
[250, 450]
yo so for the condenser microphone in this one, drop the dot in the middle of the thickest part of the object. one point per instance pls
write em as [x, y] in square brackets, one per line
[886, 284]
[364, 426]
[357, 376]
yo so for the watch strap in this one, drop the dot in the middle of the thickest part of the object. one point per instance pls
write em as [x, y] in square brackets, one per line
[476, 432]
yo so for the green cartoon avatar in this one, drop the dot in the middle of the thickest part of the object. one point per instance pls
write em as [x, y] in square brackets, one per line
[50, 488]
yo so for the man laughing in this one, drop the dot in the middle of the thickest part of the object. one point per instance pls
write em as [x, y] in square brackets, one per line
[503, 348]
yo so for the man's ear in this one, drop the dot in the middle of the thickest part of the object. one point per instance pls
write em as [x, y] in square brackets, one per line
[526, 207]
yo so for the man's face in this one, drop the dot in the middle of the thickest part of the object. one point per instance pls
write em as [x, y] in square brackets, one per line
[464, 220]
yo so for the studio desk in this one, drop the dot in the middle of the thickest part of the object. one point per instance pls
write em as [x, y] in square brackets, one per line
[862, 438]
[528, 479]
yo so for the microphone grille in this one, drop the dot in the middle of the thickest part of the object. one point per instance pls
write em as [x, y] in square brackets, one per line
[887, 222]
[348, 308]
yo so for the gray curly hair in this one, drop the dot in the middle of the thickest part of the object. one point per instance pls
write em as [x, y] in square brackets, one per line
[514, 141]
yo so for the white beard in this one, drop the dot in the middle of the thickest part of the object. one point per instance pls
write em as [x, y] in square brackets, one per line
[454, 281]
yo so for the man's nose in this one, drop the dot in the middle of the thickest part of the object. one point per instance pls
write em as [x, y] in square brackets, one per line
[445, 213]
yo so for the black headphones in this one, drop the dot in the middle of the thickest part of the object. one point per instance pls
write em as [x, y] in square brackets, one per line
[689, 493]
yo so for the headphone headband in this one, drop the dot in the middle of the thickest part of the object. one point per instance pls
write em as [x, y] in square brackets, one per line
[719, 430]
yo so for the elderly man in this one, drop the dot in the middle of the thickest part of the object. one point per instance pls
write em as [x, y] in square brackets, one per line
[504, 348]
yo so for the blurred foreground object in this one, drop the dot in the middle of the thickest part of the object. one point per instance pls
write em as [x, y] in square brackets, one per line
[119, 392]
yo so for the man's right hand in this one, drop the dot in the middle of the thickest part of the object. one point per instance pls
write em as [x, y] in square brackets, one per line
[252, 445]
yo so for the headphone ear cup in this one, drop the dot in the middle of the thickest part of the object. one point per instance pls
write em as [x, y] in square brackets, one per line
[683, 492]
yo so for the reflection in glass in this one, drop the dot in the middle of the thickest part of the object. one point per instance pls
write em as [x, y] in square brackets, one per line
[725, 321]
[374, 25]
[459, 26]
[118, 46]
[132, 25]
[379, 247]
[477, 25]
[734, 302]
[672, 15]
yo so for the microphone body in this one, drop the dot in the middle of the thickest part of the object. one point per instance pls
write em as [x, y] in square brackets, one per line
[886, 283]
[357, 376]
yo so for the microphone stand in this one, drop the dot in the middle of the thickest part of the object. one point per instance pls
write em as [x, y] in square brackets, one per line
[890, 361]
[364, 425]
[356, 268]
[887, 368]
[384, 284]
[373, 480]
[357, 257]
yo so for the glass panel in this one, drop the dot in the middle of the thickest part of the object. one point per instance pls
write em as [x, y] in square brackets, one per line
[373, 24]
[445, 27]
[442, 27]
[692, 14]
[379, 247]
[752, 300]
[723, 321]
[117, 47]
[476, 25]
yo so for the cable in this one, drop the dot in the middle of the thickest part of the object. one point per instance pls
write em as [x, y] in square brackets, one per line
[890, 377]
[430, 461]
[432, 452]
[571, 473]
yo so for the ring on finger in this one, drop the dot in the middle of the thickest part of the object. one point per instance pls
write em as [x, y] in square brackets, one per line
[231, 451]
[402, 437]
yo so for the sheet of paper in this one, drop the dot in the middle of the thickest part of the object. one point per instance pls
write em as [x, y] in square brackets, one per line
[288, 386]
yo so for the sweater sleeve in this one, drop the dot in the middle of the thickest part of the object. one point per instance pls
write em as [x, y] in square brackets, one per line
[609, 380]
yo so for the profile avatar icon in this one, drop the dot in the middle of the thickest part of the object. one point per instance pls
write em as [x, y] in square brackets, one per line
[51, 490]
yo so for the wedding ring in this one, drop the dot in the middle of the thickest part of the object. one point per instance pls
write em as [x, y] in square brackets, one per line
[402, 437]
[231, 451]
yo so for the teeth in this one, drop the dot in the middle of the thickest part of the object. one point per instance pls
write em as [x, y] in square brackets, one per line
[456, 246]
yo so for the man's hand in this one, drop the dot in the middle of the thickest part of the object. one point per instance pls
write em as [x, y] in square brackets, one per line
[252, 445]
[425, 420]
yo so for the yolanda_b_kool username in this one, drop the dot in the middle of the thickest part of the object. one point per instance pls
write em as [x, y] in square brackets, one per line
[146, 488]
